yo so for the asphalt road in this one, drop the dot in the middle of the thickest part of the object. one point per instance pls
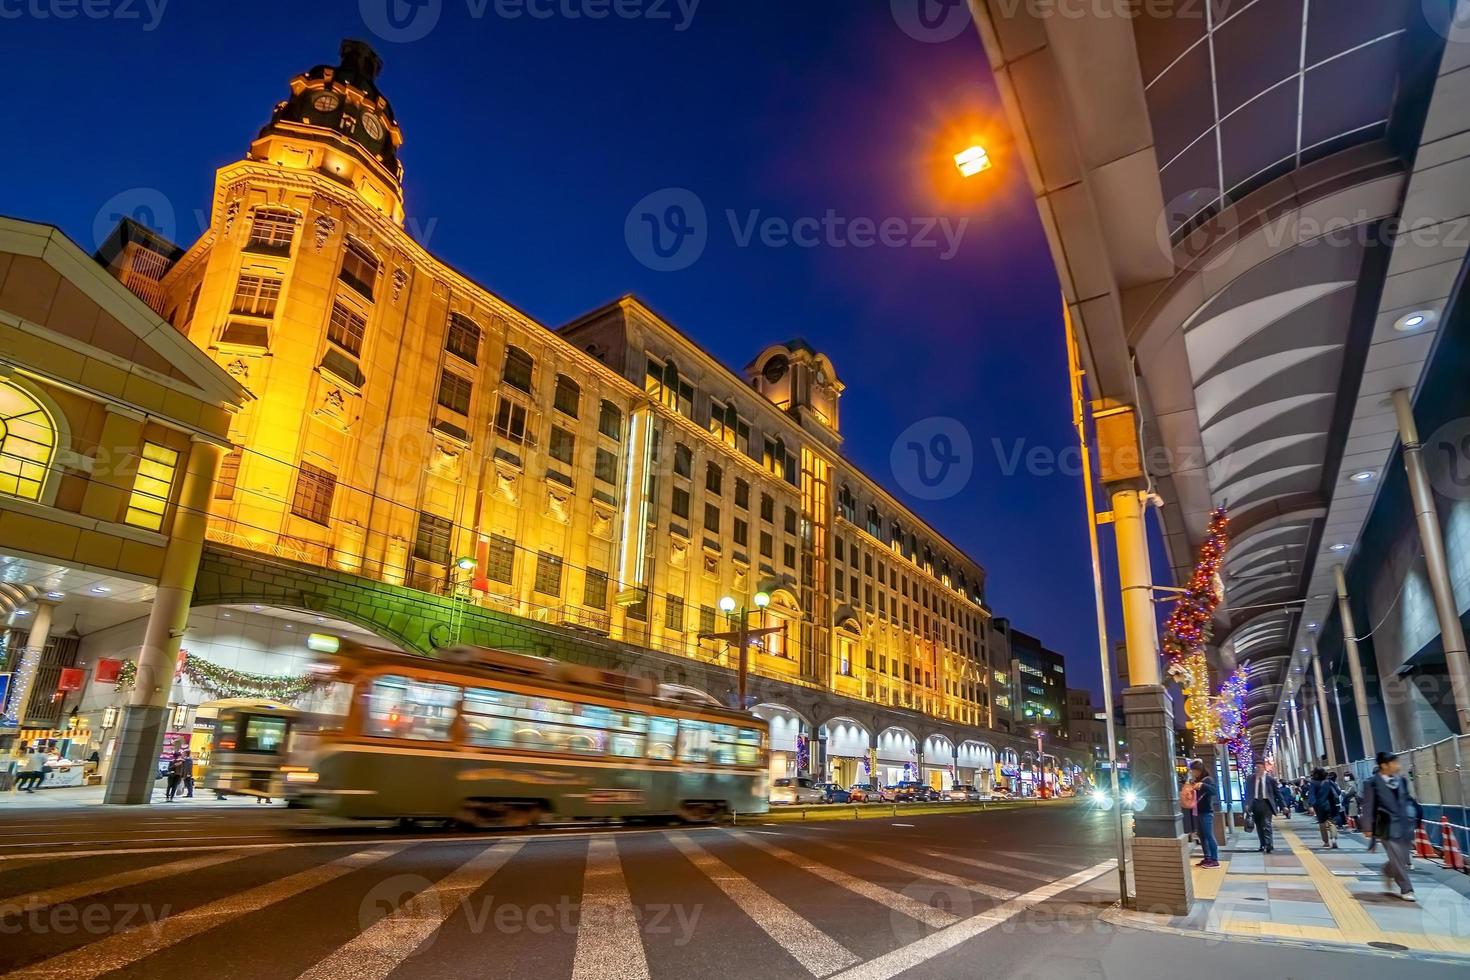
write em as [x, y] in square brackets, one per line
[194, 892]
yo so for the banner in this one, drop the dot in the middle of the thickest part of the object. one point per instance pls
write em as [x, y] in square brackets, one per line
[108, 671]
[71, 679]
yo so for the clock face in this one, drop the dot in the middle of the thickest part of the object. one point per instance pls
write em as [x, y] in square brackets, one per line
[373, 125]
[775, 368]
[326, 102]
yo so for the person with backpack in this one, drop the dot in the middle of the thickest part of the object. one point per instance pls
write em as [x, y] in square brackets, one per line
[1187, 798]
[1325, 801]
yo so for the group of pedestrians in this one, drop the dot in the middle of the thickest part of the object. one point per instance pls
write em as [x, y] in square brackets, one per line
[180, 775]
[33, 774]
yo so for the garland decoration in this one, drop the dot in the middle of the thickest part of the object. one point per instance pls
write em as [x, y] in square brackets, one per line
[127, 675]
[1188, 629]
[803, 754]
[240, 684]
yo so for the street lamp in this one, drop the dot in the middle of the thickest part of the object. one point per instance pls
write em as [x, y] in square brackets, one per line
[742, 634]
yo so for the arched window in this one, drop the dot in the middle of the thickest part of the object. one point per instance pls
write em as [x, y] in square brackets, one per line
[568, 397]
[518, 369]
[464, 338]
[27, 443]
[359, 267]
[272, 229]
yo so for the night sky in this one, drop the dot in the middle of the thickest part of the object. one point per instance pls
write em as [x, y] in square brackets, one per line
[528, 141]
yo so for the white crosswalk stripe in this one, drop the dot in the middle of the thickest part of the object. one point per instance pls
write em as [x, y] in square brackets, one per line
[379, 949]
[897, 901]
[62, 894]
[919, 871]
[988, 865]
[609, 944]
[126, 948]
[818, 952]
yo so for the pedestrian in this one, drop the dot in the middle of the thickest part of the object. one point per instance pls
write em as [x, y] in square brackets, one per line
[1206, 802]
[175, 777]
[1350, 798]
[35, 771]
[188, 774]
[1325, 803]
[1283, 802]
[1187, 801]
[1390, 813]
[1262, 800]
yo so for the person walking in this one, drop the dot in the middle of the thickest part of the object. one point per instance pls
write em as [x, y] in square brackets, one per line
[35, 770]
[1325, 801]
[1350, 797]
[1262, 800]
[1187, 801]
[1389, 815]
[1206, 802]
[175, 777]
[187, 771]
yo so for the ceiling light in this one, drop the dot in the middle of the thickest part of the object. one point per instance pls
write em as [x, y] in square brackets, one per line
[101, 589]
[1340, 546]
[1321, 597]
[56, 595]
[1362, 476]
[1414, 320]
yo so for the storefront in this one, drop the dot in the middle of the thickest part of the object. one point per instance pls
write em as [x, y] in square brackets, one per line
[790, 749]
[846, 744]
[977, 766]
[898, 756]
[939, 768]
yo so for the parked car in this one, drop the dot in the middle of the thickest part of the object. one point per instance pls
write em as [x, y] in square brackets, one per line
[909, 791]
[963, 793]
[795, 789]
[864, 793]
[833, 793]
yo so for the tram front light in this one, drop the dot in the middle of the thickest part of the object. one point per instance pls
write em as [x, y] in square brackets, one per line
[323, 643]
[302, 777]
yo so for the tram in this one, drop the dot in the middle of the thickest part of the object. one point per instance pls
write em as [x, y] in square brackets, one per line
[253, 742]
[487, 738]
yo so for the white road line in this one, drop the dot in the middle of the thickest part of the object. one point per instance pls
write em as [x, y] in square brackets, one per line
[17, 904]
[988, 865]
[609, 945]
[811, 947]
[909, 906]
[126, 948]
[379, 949]
[920, 951]
[918, 870]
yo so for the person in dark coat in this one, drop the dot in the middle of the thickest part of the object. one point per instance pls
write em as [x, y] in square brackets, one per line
[175, 777]
[1325, 800]
[1262, 800]
[1206, 802]
[1390, 814]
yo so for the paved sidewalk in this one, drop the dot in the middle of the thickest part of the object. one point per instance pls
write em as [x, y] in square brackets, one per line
[84, 796]
[1305, 893]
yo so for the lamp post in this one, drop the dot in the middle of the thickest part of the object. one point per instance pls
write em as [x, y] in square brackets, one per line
[742, 634]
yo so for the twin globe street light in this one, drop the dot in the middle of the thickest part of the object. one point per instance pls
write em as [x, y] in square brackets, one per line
[743, 634]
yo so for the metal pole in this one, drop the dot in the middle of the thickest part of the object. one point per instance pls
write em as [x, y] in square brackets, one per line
[1452, 635]
[1079, 420]
[1355, 667]
[744, 616]
[1341, 728]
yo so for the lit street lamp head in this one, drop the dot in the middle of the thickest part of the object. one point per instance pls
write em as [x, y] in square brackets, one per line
[972, 161]
[762, 600]
[727, 604]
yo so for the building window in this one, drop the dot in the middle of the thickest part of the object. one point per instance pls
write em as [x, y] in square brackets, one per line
[662, 381]
[27, 442]
[510, 419]
[706, 619]
[606, 469]
[610, 421]
[563, 445]
[431, 542]
[314, 490]
[768, 508]
[742, 494]
[256, 295]
[712, 518]
[768, 545]
[271, 230]
[346, 329]
[464, 338]
[229, 475]
[742, 532]
[500, 565]
[674, 614]
[518, 369]
[151, 484]
[874, 522]
[790, 520]
[594, 589]
[728, 426]
[568, 396]
[788, 555]
[680, 503]
[846, 504]
[454, 392]
[359, 267]
[713, 478]
[683, 460]
[548, 574]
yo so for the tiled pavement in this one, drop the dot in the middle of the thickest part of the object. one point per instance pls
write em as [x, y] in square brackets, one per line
[1306, 893]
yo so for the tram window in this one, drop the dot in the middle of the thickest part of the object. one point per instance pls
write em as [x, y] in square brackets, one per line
[736, 746]
[694, 740]
[628, 731]
[263, 733]
[518, 721]
[661, 736]
[400, 707]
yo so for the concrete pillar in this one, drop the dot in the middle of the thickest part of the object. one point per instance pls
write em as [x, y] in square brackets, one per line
[1163, 882]
[1431, 538]
[1323, 718]
[30, 659]
[143, 723]
[1355, 666]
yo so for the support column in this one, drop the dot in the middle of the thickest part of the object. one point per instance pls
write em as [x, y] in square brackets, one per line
[141, 728]
[1451, 634]
[1323, 718]
[30, 660]
[1160, 851]
[1355, 666]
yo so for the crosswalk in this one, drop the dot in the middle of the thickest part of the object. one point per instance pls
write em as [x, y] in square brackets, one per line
[406, 902]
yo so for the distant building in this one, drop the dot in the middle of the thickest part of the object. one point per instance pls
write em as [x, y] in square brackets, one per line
[1038, 684]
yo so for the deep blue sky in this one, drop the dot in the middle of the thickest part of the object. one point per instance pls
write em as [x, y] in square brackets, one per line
[527, 142]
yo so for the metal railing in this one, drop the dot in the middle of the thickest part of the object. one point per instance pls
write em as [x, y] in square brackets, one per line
[1439, 781]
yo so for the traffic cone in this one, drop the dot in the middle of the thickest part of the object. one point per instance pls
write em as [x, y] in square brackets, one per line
[1453, 859]
[1422, 847]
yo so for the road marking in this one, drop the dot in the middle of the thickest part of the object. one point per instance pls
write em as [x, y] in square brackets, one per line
[920, 951]
[901, 825]
[609, 946]
[818, 952]
[986, 865]
[909, 906]
[379, 949]
[920, 871]
[126, 948]
[18, 904]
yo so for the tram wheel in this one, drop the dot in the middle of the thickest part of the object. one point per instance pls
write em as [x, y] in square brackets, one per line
[699, 812]
[488, 815]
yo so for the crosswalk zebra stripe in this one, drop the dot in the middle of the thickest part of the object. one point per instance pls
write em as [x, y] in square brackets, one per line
[920, 951]
[380, 948]
[918, 870]
[987, 865]
[609, 944]
[61, 894]
[818, 952]
[899, 902]
[126, 948]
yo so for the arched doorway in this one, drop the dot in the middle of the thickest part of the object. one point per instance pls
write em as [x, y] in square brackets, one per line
[898, 755]
[847, 742]
[791, 748]
[939, 765]
[977, 765]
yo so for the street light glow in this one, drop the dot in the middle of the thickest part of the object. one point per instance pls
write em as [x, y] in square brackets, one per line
[972, 161]
[465, 564]
[761, 600]
[727, 604]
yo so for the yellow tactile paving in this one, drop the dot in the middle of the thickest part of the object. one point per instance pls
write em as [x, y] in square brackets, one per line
[1207, 881]
[1356, 924]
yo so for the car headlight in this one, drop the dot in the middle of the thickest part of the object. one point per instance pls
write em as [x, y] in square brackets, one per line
[302, 777]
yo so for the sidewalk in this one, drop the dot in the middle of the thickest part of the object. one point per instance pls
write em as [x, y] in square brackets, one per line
[84, 796]
[1304, 893]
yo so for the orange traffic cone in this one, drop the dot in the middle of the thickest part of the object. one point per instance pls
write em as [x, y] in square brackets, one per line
[1422, 847]
[1453, 859]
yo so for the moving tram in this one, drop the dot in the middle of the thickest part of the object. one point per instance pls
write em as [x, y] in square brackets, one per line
[253, 742]
[488, 739]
